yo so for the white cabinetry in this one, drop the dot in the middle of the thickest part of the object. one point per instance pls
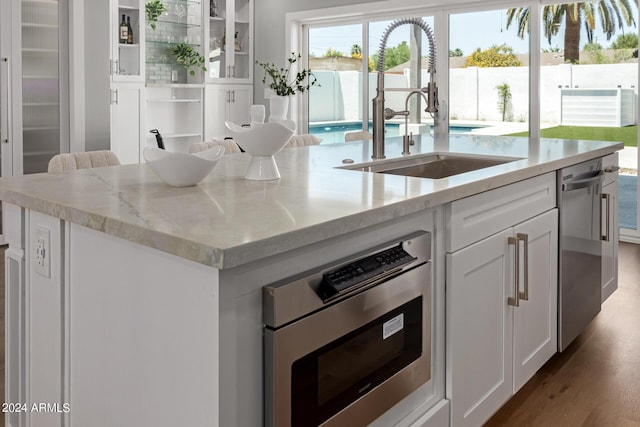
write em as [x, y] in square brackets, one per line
[127, 80]
[126, 117]
[176, 111]
[501, 295]
[610, 226]
[230, 40]
[226, 102]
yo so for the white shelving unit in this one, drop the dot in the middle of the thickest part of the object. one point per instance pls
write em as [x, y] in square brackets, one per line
[177, 112]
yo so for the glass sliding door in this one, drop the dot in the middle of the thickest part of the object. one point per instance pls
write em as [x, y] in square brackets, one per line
[488, 75]
[589, 87]
[335, 57]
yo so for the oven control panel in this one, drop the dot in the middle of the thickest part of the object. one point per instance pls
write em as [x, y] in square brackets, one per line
[363, 271]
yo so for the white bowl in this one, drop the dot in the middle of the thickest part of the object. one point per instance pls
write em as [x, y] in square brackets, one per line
[182, 169]
[262, 141]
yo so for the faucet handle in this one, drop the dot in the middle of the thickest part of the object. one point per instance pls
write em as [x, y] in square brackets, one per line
[389, 113]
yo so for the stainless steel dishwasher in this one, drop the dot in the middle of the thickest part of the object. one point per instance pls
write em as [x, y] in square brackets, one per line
[580, 248]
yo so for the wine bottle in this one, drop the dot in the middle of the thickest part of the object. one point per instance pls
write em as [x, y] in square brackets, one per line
[124, 31]
[129, 31]
[236, 43]
[213, 8]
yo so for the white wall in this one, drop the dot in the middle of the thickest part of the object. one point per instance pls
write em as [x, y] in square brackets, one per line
[473, 93]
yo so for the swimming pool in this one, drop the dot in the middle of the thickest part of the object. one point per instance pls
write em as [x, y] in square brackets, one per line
[332, 133]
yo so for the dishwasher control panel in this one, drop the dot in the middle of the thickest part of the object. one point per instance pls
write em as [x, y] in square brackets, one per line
[362, 271]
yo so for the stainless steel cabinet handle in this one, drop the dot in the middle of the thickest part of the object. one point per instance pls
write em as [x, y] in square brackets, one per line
[114, 96]
[606, 237]
[233, 94]
[233, 71]
[515, 300]
[524, 238]
[114, 67]
[5, 102]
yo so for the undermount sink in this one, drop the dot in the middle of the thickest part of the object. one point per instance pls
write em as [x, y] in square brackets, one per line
[434, 166]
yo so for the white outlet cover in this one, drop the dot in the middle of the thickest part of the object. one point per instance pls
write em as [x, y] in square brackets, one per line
[42, 255]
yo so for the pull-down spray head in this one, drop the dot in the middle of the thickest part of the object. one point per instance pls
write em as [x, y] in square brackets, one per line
[378, 101]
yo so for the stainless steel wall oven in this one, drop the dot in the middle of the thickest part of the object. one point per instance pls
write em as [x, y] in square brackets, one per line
[346, 342]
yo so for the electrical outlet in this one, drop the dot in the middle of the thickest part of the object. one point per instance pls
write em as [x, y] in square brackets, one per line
[43, 251]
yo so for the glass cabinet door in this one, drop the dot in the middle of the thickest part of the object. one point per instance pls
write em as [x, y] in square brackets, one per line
[230, 39]
[126, 40]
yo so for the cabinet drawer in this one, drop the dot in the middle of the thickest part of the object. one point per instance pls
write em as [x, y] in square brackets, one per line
[475, 217]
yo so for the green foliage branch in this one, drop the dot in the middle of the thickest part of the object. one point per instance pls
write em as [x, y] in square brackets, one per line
[283, 82]
[188, 57]
[153, 9]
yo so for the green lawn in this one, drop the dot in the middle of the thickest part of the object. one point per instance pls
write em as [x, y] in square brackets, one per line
[628, 134]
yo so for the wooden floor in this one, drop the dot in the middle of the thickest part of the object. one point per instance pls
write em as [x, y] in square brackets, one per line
[594, 383]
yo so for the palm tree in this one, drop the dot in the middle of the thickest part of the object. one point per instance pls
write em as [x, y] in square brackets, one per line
[612, 14]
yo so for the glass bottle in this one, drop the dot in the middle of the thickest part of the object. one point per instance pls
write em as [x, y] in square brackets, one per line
[124, 31]
[236, 43]
[129, 31]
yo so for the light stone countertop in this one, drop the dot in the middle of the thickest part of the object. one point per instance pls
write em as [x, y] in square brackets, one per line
[226, 220]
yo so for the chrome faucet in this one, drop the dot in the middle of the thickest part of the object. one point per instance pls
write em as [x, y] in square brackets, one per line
[380, 113]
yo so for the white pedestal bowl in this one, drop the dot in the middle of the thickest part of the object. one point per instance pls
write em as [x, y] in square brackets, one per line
[262, 141]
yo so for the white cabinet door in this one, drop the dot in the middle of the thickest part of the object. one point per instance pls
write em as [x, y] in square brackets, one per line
[241, 100]
[610, 234]
[125, 123]
[535, 319]
[225, 102]
[479, 326]
[495, 342]
[230, 37]
[216, 98]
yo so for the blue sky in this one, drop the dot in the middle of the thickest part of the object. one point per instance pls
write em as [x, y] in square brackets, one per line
[489, 28]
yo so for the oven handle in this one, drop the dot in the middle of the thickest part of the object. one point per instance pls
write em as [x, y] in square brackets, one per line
[582, 183]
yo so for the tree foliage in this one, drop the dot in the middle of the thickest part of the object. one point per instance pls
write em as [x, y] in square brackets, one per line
[495, 56]
[625, 41]
[455, 52]
[394, 55]
[333, 53]
[356, 51]
[610, 14]
[504, 97]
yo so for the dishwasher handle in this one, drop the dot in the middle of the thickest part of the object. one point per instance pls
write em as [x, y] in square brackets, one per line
[583, 183]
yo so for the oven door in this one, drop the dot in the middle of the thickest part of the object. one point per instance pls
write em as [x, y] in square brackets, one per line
[349, 363]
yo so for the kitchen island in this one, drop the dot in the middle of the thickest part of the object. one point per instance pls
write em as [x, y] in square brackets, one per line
[140, 304]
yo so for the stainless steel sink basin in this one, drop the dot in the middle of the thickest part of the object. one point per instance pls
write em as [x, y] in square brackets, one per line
[434, 166]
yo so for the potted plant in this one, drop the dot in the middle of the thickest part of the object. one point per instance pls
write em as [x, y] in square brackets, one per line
[188, 57]
[153, 9]
[284, 84]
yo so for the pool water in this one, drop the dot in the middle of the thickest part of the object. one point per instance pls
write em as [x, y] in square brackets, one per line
[332, 133]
